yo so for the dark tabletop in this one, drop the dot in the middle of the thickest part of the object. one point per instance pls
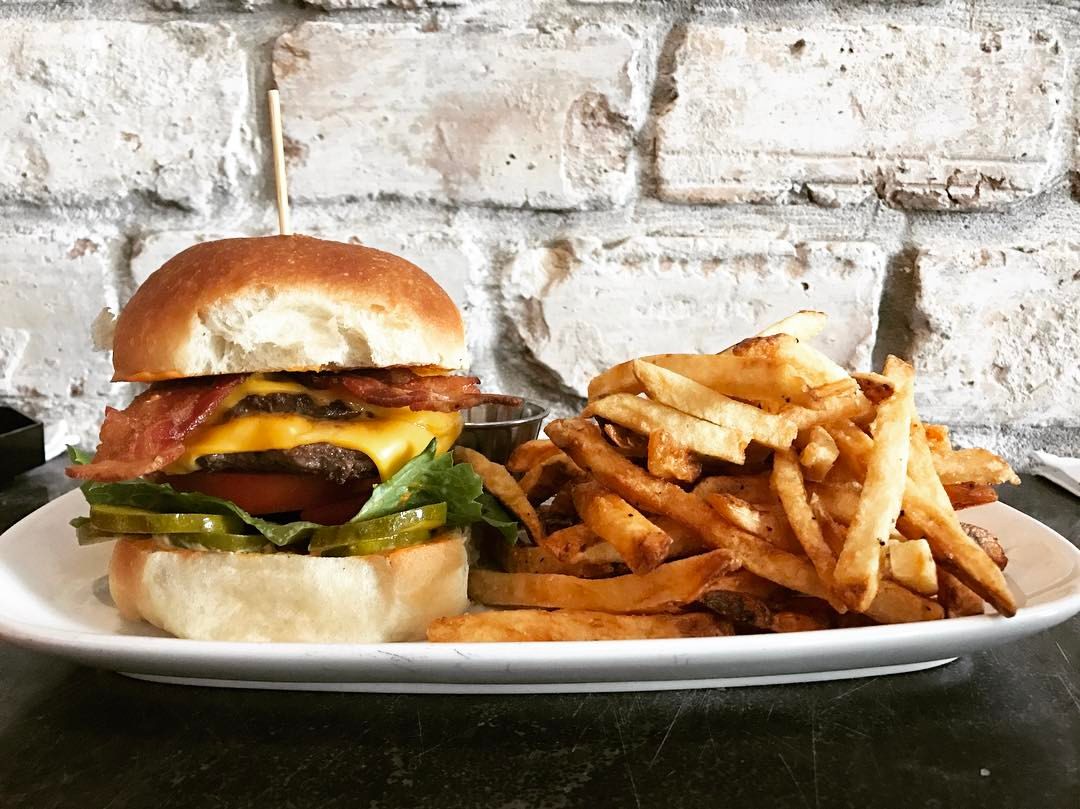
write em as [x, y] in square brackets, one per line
[996, 729]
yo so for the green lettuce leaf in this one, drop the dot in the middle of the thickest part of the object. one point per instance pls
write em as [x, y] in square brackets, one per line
[426, 479]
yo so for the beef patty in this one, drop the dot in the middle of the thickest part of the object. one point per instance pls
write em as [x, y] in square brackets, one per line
[299, 403]
[334, 463]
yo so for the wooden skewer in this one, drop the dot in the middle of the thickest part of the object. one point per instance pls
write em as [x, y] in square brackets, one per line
[284, 226]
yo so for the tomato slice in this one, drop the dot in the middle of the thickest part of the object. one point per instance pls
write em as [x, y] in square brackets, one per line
[267, 492]
[336, 513]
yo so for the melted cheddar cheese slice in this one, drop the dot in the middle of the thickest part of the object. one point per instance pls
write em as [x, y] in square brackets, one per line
[389, 436]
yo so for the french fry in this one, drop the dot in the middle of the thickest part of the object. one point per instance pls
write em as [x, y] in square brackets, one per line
[803, 325]
[758, 379]
[645, 416]
[957, 598]
[582, 441]
[840, 500]
[547, 477]
[592, 563]
[641, 544]
[973, 466]
[875, 387]
[858, 566]
[754, 489]
[937, 436]
[967, 495]
[743, 581]
[827, 404]
[527, 455]
[569, 543]
[688, 396]
[502, 486]
[668, 458]
[666, 589]
[759, 521]
[911, 564]
[742, 608]
[988, 542]
[571, 625]
[928, 510]
[628, 442]
[819, 454]
[787, 482]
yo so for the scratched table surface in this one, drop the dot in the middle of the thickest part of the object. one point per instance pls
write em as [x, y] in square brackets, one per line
[995, 729]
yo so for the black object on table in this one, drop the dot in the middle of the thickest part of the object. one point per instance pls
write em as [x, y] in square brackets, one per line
[999, 728]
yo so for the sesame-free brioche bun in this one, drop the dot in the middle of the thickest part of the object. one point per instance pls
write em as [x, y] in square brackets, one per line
[284, 303]
[289, 597]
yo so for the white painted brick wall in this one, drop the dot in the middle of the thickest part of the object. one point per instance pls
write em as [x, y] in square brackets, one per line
[576, 173]
[52, 286]
[100, 110]
[1001, 340]
[581, 307]
[522, 119]
[926, 117]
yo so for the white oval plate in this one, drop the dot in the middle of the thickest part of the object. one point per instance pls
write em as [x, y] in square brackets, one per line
[54, 599]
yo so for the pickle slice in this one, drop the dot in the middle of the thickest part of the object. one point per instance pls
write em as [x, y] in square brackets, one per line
[381, 529]
[364, 547]
[127, 520]
[216, 543]
[86, 534]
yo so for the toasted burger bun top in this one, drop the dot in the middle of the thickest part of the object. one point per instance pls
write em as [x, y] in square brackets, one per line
[284, 303]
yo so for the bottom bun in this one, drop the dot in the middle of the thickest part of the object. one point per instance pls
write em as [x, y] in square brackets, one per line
[288, 597]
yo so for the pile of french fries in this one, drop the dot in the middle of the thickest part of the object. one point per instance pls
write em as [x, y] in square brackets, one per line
[763, 488]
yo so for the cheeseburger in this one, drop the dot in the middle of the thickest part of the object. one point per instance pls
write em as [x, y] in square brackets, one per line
[285, 476]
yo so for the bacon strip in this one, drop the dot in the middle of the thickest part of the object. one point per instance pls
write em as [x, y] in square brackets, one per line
[400, 387]
[149, 433]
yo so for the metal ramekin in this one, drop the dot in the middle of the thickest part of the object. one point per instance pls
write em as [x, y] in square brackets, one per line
[496, 430]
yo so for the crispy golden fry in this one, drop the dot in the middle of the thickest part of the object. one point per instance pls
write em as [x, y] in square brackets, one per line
[875, 387]
[957, 599]
[858, 566]
[742, 608]
[754, 489]
[645, 416]
[911, 564]
[827, 404]
[571, 625]
[582, 441]
[666, 589]
[743, 581]
[568, 544]
[927, 508]
[803, 325]
[787, 482]
[840, 500]
[967, 495]
[684, 541]
[626, 440]
[531, 559]
[641, 544]
[669, 459]
[937, 436]
[502, 486]
[757, 379]
[688, 396]
[855, 446]
[529, 454]
[759, 521]
[548, 476]
[974, 466]
[819, 453]
[988, 542]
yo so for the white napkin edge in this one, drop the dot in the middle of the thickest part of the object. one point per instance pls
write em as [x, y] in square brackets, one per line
[1065, 472]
